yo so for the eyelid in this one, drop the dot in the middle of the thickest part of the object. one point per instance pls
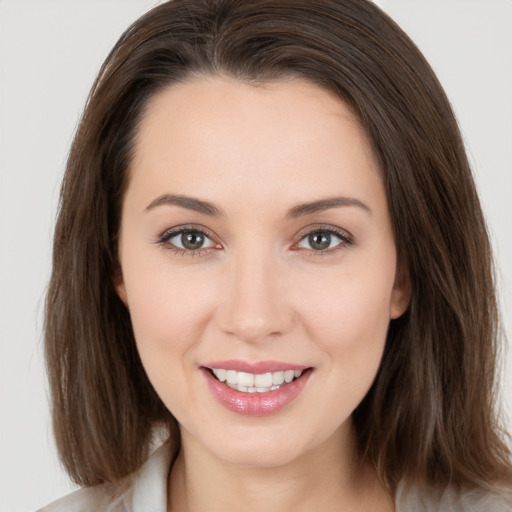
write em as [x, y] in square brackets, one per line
[346, 238]
[164, 237]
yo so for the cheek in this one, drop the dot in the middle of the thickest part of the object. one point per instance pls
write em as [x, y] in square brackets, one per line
[348, 317]
[350, 309]
[165, 299]
[169, 310]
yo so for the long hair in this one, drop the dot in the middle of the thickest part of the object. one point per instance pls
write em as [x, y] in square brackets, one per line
[431, 413]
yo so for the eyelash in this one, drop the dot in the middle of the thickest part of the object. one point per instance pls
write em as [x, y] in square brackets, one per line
[345, 240]
[165, 237]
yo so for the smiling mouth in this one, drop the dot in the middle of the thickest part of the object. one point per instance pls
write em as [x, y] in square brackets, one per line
[255, 383]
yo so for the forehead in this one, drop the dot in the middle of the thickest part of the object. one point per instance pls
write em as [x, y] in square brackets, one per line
[223, 135]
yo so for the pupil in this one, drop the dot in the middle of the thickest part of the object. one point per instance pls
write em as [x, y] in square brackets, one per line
[320, 241]
[192, 240]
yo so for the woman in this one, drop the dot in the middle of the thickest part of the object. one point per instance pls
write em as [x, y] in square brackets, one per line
[270, 249]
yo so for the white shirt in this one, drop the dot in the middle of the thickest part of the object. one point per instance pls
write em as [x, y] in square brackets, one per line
[146, 491]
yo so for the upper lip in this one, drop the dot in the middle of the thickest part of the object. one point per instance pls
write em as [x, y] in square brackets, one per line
[254, 367]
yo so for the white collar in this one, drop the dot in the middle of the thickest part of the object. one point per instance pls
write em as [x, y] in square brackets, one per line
[149, 490]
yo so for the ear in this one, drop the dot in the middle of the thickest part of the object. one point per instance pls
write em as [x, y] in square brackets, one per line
[401, 294]
[119, 285]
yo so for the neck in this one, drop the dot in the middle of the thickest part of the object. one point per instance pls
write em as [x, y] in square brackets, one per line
[328, 476]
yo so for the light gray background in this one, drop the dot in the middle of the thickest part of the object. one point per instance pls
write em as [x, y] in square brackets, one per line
[50, 51]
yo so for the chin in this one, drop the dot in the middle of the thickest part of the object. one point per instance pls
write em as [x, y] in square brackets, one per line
[262, 457]
[264, 448]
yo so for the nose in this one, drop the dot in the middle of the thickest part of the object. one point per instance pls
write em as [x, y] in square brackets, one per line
[254, 306]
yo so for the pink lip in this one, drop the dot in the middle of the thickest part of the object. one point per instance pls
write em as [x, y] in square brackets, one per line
[256, 368]
[255, 404]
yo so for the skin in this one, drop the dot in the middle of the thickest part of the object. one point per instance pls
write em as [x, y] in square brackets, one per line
[258, 289]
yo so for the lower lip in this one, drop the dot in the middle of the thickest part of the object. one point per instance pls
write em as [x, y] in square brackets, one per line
[255, 404]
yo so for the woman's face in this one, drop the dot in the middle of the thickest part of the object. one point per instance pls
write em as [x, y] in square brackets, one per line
[256, 241]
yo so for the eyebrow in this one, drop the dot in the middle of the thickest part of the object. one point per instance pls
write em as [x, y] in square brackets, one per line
[190, 203]
[325, 204]
[300, 210]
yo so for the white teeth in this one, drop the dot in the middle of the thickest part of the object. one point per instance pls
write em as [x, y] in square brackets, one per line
[232, 377]
[277, 378]
[260, 383]
[220, 374]
[263, 380]
[245, 379]
[289, 375]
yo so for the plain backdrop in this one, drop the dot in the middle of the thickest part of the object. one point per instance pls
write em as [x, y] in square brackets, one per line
[50, 51]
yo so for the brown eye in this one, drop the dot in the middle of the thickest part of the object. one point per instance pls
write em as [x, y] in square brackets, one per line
[324, 240]
[187, 240]
[319, 241]
[192, 240]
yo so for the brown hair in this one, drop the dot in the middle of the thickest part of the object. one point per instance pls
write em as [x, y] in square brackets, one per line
[430, 414]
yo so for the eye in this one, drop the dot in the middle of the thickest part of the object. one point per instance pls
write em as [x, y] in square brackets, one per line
[185, 240]
[324, 240]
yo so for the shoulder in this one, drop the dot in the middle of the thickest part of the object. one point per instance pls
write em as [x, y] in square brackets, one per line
[143, 491]
[84, 500]
[422, 498]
